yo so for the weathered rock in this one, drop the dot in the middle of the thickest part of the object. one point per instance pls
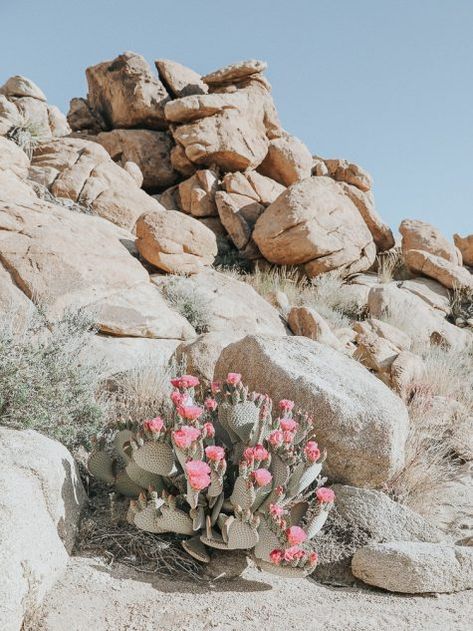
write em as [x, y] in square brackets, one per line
[180, 80]
[39, 479]
[235, 72]
[465, 245]
[238, 213]
[431, 292]
[407, 369]
[387, 331]
[252, 184]
[19, 86]
[227, 130]
[344, 171]
[376, 353]
[197, 194]
[308, 323]
[231, 305]
[134, 170]
[13, 158]
[150, 150]
[446, 273]
[315, 224]
[364, 201]
[126, 93]
[357, 419]
[419, 235]
[13, 189]
[288, 160]
[81, 117]
[175, 242]
[201, 355]
[83, 171]
[181, 162]
[415, 568]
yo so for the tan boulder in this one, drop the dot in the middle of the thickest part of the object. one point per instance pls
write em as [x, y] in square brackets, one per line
[288, 160]
[125, 93]
[134, 170]
[175, 242]
[235, 72]
[308, 323]
[81, 117]
[238, 214]
[178, 79]
[230, 304]
[252, 184]
[419, 235]
[430, 291]
[376, 353]
[364, 201]
[446, 273]
[181, 162]
[197, 194]
[465, 245]
[406, 370]
[201, 355]
[315, 224]
[344, 171]
[19, 86]
[83, 171]
[13, 158]
[14, 189]
[401, 340]
[150, 150]
[227, 130]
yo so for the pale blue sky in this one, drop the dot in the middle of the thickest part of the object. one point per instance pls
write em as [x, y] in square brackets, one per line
[384, 83]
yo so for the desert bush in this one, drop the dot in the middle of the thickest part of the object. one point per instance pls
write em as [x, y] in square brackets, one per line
[391, 266]
[188, 300]
[26, 134]
[461, 305]
[225, 472]
[47, 380]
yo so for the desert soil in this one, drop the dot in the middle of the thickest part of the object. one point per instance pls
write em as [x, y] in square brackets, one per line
[94, 597]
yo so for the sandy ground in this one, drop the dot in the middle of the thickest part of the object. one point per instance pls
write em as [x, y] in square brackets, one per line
[93, 597]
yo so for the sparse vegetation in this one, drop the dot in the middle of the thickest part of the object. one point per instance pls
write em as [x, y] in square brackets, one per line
[26, 134]
[188, 300]
[47, 380]
[391, 266]
[461, 305]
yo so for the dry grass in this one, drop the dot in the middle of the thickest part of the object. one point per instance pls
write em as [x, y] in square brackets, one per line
[187, 299]
[461, 305]
[26, 134]
[391, 266]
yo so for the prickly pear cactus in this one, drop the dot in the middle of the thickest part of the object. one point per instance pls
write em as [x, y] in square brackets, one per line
[228, 474]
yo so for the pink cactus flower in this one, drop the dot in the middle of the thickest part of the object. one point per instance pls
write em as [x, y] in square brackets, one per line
[215, 387]
[185, 436]
[286, 405]
[288, 425]
[279, 490]
[178, 398]
[215, 453]
[210, 404]
[276, 438]
[325, 495]
[276, 556]
[249, 455]
[186, 381]
[288, 437]
[312, 451]
[313, 558]
[295, 535]
[154, 424]
[262, 477]
[275, 510]
[190, 412]
[233, 378]
[198, 474]
[209, 430]
[260, 453]
[292, 553]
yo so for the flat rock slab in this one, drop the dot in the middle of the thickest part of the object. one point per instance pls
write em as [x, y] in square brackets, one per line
[94, 596]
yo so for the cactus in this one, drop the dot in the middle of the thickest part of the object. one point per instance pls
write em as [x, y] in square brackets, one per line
[228, 474]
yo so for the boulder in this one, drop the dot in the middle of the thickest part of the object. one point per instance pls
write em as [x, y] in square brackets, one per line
[437, 267]
[430, 291]
[307, 322]
[82, 118]
[83, 171]
[125, 93]
[150, 150]
[414, 567]
[19, 86]
[197, 194]
[201, 354]
[175, 242]
[344, 171]
[364, 201]
[42, 497]
[407, 369]
[465, 245]
[237, 72]
[226, 130]
[231, 305]
[179, 80]
[401, 340]
[13, 158]
[360, 422]
[288, 160]
[252, 184]
[376, 353]
[315, 224]
[238, 214]
[419, 235]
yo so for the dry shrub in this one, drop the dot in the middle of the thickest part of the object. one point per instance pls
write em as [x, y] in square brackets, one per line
[391, 266]
[187, 299]
[461, 305]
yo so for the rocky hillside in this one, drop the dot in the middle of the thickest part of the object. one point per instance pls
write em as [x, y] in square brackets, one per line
[192, 228]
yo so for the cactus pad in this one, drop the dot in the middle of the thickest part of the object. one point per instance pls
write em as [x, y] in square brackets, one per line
[196, 549]
[100, 465]
[243, 494]
[155, 457]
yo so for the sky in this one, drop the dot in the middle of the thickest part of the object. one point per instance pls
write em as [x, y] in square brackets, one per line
[387, 84]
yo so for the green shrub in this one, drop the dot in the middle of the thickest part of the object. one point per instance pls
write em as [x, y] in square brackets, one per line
[47, 380]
